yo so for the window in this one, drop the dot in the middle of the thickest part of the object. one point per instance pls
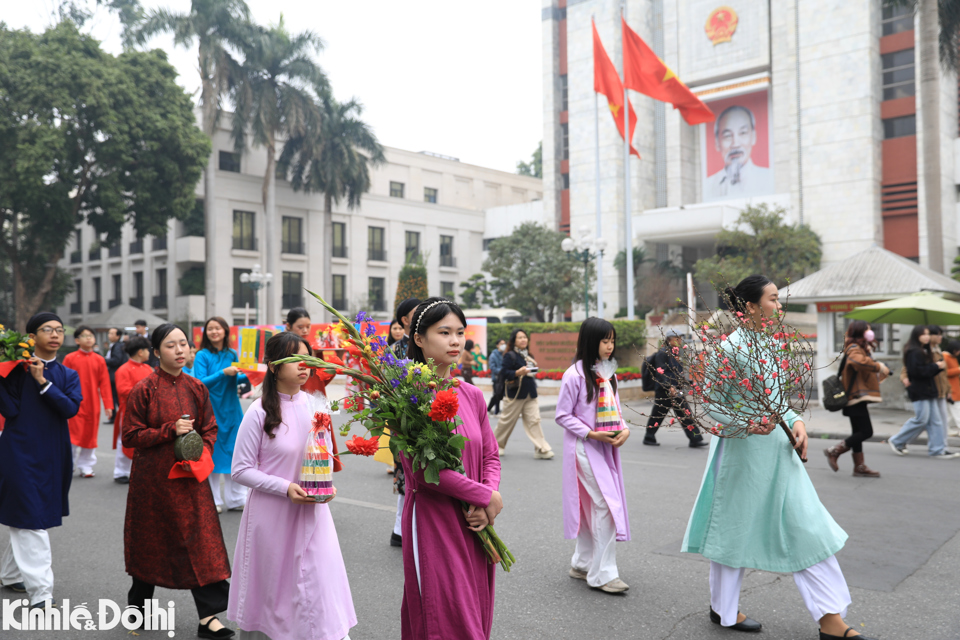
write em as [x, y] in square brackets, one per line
[159, 243]
[242, 292]
[117, 289]
[487, 242]
[136, 247]
[898, 74]
[430, 195]
[94, 306]
[94, 253]
[76, 256]
[77, 306]
[229, 161]
[565, 141]
[375, 250]
[563, 92]
[114, 250]
[446, 290]
[339, 297]
[899, 127]
[564, 180]
[243, 231]
[292, 289]
[896, 19]
[375, 292]
[396, 189]
[412, 246]
[339, 240]
[446, 252]
[136, 299]
[662, 252]
[292, 232]
[160, 299]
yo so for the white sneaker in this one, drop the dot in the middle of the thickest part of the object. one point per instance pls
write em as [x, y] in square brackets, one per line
[615, 586]
[502, 452]
[946, 455]
[219, 509]
[543, 455]
[900, 451]
[578, 574]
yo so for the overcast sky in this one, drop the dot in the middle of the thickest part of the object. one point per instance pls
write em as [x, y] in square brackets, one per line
[456, 78]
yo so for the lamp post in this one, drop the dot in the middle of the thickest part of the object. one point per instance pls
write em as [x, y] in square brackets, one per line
[585, 248]
[257, 280]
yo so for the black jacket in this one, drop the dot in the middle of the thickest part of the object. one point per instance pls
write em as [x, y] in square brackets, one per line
[528, 386]
[672, 375]
[115, 357]
[921, 374]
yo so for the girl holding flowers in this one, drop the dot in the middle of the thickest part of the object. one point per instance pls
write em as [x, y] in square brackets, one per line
[448, 581]
[594, 501]
[290, 581]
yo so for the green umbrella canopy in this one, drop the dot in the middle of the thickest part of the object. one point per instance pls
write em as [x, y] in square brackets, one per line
[919, 308]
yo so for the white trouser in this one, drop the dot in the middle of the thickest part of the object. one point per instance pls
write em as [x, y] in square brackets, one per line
[944, 418]
[596, 550]
[121, 463]
[396, 525]
[822, 587]
[28, 559]
[954, 411]
[84, 459]
[234, 492]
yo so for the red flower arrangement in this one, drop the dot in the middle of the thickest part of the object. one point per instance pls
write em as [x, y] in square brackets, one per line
[444, 407]
[363, 447]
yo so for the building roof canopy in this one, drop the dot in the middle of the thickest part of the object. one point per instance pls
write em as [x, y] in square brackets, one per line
[123, 315]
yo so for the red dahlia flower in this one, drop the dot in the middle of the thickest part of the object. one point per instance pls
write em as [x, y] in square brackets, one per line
[444, 407]
[362, 447]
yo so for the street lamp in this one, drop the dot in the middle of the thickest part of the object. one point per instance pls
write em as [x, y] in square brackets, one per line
[581, 250]
[257, 280]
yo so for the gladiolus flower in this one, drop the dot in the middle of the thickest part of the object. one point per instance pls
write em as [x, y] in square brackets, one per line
[374, 395]
[445, 406]
[455, 382]
[363, 447]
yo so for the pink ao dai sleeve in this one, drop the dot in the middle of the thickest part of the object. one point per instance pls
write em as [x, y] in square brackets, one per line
[246, 455]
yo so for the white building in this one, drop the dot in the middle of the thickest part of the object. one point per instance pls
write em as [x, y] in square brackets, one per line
[419, 203]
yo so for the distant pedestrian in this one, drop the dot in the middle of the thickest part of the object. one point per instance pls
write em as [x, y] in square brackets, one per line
[861, 377]
[95, 385]
[115, 357]
[466, 361]
[951, 355]
[299, 323]
[141, 329]
[922, 371]
[669, 381]
[519, 369]
[496, 376]
[396, 332]
[941, 380]
[404, 315]
[594, 499]
[135, 369]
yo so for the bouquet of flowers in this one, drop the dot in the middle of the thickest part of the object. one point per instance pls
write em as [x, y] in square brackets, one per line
[15, 349]
[408, 399]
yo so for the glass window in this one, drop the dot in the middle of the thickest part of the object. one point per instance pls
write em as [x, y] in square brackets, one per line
[375, 247]
[229, 161]
[446, 252]
[899, 127]
[446, 290]
[563, 92]
[412, 245]
[292, 289]
[396, 189]
[375, 292]
[898, 74]
[160, 299]
[292, 235]
[77, 307]
[339, 297]
[896, 19]
[136, 297]
[243, 231]
[339, 240]
[430, 195]
[117, 288]
[242, 292]
[565, 141]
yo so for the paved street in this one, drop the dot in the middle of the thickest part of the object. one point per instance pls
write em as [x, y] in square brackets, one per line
[901, 560]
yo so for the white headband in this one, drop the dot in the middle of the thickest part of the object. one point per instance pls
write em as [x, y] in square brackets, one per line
[430, 306]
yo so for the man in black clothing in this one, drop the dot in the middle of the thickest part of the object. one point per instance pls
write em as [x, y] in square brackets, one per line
[140, 326]
[669, 382]
[115, 357]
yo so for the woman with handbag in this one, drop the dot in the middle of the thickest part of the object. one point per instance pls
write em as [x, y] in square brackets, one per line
[520, 396]
[861, 377]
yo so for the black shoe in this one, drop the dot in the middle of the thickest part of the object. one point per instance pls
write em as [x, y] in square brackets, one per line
[700, 442]
[748, 625]
[203, 631]
[395, 540]
[122, 480]
[652, 443]
[827, 636]
[17, 587]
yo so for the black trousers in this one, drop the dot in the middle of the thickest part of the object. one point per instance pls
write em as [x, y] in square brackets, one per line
[211, 599]
[496, 398]
[663, 403]
[860, 425]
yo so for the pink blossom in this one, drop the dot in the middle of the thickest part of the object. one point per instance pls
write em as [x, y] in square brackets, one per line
[672, 420]
[660, 370]
[767, 391]
[765, 420]
[723, 337]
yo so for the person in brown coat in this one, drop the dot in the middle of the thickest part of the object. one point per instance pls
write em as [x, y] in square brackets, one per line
[861, 378]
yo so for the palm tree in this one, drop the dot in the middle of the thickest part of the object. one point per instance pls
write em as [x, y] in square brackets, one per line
[275, 100]
[220, 28]
[334, 159]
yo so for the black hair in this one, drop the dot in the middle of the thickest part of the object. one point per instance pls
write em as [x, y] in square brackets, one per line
[118, 330]
[406, 307]
[81, 329]
[135, 344]
[390, 338]
[750, 289]
[935, 329]
[295, 314]
[913, 342]
[280, 346]
[512, 342]
[423, 319]
[468, 345]
[952, 346]
[160, 334]
[140, 323]
[205, 342]
[593, 331]
[855, 334]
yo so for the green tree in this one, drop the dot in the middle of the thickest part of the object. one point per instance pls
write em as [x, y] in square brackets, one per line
[220, 29]
[762, 243]
[412, 282]
[533, 274]
[86, 136]
[276, 99]
[476, 292]
[332, 156]
[535, 166]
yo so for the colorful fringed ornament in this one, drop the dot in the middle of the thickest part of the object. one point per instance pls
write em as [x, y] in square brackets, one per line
[608, 413]
[316, 474]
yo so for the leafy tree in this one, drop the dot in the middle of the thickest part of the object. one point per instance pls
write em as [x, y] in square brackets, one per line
[640, 258]
[275, 99]
[533, 274]
[412, 282]
[535, 166]
[80, 11]
[762, 243]
[220, 28]
[476, 292]
[86, 136]
[191, 282]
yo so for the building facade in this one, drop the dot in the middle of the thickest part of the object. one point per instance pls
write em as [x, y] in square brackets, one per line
[819, 110]
[420, 204]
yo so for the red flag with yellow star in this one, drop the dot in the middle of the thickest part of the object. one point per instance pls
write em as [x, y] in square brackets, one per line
[606, 81]
[645, 72]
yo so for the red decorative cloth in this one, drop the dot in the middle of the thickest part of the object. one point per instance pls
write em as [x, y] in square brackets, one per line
[199, 469]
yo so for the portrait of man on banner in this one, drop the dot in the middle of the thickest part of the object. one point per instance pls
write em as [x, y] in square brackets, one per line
[736, 148]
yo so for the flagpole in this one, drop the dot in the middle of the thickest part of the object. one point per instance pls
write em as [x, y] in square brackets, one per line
[628, 226]
[596, 128]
